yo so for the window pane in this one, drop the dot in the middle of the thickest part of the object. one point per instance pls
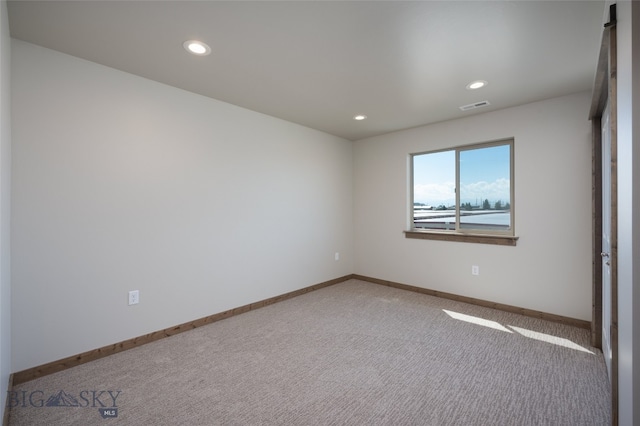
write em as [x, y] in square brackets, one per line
[485, 194]
[434, 196]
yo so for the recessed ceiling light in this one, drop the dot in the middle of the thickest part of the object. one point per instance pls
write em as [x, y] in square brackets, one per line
[359, 117]
[476, 84]
[197, 47]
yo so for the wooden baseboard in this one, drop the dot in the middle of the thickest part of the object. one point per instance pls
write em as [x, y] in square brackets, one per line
[502, 307]
[75, 360]
[7, 409]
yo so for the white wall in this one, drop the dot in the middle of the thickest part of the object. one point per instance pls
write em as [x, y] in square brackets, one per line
[550, 268]
[122, 183]
[5, 210]
[628, 211]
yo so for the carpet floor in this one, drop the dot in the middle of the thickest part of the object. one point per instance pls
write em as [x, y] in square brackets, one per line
[354, 353]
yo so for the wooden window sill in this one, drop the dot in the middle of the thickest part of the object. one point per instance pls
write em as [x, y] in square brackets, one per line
[502, 240]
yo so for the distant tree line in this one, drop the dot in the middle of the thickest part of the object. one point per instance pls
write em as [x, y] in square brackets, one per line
[486, 205]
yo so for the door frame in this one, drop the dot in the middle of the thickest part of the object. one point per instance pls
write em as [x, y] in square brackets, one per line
[605, 88]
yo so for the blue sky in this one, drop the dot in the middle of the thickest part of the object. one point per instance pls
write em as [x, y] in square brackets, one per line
[484, 174]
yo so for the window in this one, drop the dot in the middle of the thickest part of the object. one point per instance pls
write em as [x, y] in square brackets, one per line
[465, 191]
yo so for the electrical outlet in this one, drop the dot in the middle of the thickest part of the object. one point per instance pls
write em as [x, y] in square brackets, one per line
[475, 270]
[337, 256]
[134, 297]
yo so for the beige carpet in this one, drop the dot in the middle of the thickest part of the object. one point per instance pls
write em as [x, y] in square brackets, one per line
[354, 353]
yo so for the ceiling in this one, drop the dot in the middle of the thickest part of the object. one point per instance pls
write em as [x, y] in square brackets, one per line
[319, 63]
